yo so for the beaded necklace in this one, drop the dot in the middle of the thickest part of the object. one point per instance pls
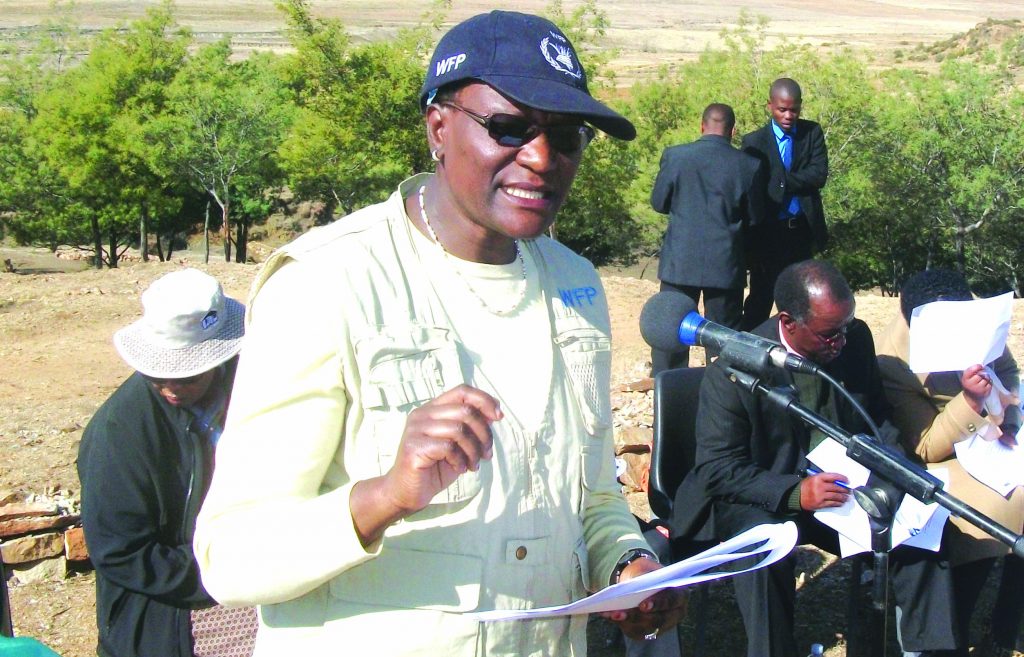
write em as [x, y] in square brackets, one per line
[447, 255]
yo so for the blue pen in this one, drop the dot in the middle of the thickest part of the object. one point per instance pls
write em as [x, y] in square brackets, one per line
[814, 471]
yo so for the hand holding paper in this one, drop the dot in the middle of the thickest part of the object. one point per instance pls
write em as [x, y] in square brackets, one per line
[769, 542]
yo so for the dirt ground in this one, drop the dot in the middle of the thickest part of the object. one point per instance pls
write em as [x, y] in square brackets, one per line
[56, 322]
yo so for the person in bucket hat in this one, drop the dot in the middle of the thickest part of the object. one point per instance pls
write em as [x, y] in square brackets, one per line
[145, 462]
[438, 435]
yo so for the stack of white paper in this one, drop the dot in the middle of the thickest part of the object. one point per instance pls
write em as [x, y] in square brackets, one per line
[778, 541]
[998, 466]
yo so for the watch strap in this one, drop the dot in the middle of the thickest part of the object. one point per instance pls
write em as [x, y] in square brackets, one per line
[630, 557]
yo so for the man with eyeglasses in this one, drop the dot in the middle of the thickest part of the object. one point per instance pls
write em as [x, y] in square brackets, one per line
[751, 465]
[424, 398]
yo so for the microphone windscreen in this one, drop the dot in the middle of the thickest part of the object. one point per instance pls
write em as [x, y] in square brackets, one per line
[660, 319]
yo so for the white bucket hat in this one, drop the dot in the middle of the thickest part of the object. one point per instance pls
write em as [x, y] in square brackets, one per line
[188, 327]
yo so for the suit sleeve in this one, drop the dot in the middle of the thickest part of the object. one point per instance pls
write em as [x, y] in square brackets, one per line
[754, 199]
[120, 516]
[724, 462]
[812, 176]
[661, 194]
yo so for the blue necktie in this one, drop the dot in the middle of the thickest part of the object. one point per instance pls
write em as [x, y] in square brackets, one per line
[786, 148]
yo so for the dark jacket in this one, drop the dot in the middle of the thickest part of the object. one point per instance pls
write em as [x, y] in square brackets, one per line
[750, 453]
[144, 470]
[712, 192]
[808, 173]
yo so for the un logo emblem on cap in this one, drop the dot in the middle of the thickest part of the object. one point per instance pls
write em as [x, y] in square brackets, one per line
[560, 55]
[210, 319]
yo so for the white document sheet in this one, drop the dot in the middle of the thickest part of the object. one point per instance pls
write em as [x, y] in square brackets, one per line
[778, 541]
[950, 336]
[998, 466]
[916, 524]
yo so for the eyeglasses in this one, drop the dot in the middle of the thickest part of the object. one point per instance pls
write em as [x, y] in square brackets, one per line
[832, 338]
[514, 131]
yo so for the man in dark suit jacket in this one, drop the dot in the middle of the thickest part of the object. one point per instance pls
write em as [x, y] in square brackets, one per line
[712, 192]
[750, 464]
[793, 153]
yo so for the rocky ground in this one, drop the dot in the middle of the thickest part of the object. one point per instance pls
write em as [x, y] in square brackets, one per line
[56, 321]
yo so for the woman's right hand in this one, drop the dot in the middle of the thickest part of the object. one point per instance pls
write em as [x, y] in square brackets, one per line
[444, 438]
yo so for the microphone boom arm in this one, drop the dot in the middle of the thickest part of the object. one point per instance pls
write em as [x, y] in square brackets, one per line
[895, 468]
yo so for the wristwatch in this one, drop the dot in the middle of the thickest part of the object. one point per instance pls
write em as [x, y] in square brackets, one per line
[628, 558]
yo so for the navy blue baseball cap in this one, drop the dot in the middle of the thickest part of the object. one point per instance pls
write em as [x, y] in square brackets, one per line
[525, 58]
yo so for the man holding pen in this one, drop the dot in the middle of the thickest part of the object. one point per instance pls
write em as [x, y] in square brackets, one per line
[751, 465]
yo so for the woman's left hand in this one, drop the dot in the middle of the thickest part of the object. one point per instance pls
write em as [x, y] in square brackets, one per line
[658, 613]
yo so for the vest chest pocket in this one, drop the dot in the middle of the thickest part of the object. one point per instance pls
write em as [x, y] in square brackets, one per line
[401, 370]
[587, 354]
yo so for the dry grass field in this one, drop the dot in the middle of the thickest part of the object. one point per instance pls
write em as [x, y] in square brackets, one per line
[56, 318]
[645, 33]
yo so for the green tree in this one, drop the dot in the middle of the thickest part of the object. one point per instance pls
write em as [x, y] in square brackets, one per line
[87, 124]
[359, 130]
[596, 220]
[224, 122]
[30, 190]
[948, 172]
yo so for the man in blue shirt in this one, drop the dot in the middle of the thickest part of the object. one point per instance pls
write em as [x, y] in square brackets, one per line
[793, 153]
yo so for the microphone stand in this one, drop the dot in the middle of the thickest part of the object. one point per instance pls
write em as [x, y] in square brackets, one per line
[894, 468]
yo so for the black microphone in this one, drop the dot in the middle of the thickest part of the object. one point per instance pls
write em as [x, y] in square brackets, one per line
[670, 320]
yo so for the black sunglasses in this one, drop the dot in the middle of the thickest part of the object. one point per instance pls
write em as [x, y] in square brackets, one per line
[514, 131]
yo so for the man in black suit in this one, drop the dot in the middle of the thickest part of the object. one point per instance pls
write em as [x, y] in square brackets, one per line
[713, 193]
[793, 153]
[750, 464]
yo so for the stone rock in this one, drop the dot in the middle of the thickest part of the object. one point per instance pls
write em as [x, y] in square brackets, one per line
[638, 471]
[643, 385]
[44, 570]
[21, 526]
[13, 510]
[74, 544]
[32, 548]
[633, 440]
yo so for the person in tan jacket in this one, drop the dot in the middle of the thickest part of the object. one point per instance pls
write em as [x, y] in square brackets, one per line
[933, 412]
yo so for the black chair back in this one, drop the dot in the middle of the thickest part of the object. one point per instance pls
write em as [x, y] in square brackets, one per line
[676, 393]
[675, 444]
